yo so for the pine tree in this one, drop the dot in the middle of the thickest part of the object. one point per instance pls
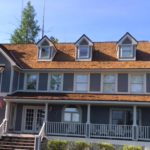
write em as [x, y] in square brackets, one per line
[28, 29]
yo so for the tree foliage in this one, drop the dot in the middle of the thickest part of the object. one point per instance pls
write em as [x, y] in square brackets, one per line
[28, 30]
[54, 40]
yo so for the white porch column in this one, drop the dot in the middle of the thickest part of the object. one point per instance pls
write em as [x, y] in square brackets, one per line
[134, 115]
[46, 112]
[88, 113]
[135, 127]
[7, 110]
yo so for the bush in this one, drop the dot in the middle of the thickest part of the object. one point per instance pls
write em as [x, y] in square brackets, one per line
[126, 147]
[106, 146]
[81, 145]
[57, 145]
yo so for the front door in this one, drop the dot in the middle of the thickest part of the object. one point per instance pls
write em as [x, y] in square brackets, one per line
[34, 117]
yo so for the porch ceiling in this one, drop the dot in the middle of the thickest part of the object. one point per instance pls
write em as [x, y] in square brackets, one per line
[79, 97]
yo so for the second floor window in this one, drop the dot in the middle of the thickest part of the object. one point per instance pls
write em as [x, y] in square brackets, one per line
[109, 83]
[137, 83]
[81, 84]
[126, 51]
[56, 82]
[83, 51]
[31, 81]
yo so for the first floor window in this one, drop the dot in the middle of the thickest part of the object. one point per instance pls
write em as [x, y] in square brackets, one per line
[31, 81]
[137, 83]
[71, 114]
[109, 83]
[81, 83]
[56, 82]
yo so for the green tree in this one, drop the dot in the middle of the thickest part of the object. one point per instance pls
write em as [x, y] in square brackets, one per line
[28, 30]
[54, 40]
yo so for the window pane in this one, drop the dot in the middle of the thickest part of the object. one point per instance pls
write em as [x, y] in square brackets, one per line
[136, 88]
[109, 88]
[137, 78]
[82, 78]
[81, 86]
[71, 110]
[84, 51]
[75, 117]
[109, 78]
[45, 52]
[67, 116]
[31, 81]
[55, 83]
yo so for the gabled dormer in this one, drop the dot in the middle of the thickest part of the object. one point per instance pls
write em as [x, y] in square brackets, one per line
[46, 49]
[84, 49]
[126, 47]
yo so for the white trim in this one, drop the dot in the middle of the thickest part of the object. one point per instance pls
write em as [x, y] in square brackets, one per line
[11, 79]
[7, 57]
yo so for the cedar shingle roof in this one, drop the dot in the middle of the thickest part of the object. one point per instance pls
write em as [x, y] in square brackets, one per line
[104, 57]
[79, 97]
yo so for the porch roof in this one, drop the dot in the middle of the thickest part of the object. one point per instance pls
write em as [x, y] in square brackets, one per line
[79, 97]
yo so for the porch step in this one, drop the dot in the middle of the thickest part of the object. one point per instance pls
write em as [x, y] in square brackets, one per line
[16, 143]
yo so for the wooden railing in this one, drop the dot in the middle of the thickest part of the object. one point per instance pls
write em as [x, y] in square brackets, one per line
[111, 131]
[3, 127]
[144, 133]
[39, 137]
[63, 128]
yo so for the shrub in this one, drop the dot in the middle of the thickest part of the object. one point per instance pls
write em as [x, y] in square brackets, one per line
[127, 147]
[57, 145]
[106, 146]
[81, 145]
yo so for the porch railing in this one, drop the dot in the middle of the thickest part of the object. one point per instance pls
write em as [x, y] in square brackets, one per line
[63, 128]
[144, 133]
[3, 127]
[111, 131]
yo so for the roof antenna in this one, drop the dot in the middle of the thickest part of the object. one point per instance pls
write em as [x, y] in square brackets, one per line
[43, 19]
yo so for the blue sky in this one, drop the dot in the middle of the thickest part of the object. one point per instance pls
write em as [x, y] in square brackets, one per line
[100, 20]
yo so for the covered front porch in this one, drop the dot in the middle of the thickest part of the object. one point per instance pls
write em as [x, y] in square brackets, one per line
[124, 121]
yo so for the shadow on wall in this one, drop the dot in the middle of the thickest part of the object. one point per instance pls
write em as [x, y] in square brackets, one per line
[2, 110]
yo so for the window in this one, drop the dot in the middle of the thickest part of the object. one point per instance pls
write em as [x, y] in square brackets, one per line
[31, 81]
[45, 52]
[109, 83]
[71, 114]
[126, 51]
[83, 51]
[81, 83]
[137, 83]
[124, 116]
[56, 82]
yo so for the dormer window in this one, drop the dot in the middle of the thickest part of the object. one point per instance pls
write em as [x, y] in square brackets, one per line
[127, 47]
[84, 49]
[46, 50]
[126, 51]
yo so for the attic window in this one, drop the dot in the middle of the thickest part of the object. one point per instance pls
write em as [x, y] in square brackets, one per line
[45, 52]
[83, 51]
[126, 51]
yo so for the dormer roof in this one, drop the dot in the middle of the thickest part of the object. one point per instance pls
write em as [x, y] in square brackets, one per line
[84, 40]
[127, 39]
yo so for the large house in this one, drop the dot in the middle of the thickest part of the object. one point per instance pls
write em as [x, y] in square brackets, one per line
[97, 91]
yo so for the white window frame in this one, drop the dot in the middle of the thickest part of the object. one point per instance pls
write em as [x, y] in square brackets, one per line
[78, 112]
[88, 52]
[143, 83]
[75, 83]
[49, 82]
[121, 51]
[37, 81]
[115, 82]
[49, 54]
